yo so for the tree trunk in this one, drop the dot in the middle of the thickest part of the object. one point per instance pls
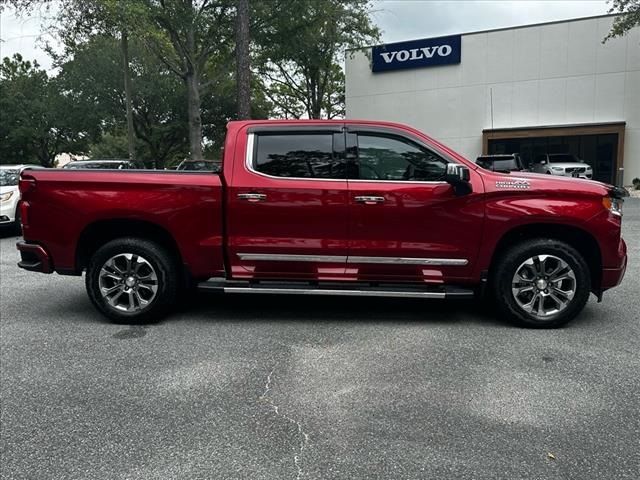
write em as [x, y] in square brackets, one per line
[243, 69]
[127, 92]
[193, 108]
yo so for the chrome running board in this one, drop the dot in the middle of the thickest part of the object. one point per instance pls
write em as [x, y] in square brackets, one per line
[338, 289]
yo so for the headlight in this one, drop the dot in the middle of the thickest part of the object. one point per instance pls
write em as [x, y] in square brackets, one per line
[614, 205]
[6, 196]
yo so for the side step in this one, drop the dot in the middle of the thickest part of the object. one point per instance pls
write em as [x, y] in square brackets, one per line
[338, 289]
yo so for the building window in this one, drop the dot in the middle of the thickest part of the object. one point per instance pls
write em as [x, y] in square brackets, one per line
[598, 150]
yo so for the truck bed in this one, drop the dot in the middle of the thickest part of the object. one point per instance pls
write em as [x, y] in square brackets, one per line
[75, 205]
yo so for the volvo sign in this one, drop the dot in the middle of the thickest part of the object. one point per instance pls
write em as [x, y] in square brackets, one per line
[416, 53]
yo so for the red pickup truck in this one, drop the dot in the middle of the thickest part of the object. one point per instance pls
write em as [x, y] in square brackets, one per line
[327, 208]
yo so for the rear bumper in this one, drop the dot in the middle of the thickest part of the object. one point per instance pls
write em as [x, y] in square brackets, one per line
[612, 277]
[34, 258]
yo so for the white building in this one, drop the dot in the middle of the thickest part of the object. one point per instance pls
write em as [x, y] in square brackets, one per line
[534, 89]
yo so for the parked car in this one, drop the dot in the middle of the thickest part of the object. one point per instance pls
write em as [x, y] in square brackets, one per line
[564, 164]
[501, 163]
[316, 207]
[105, 165]
[10, 194]
[199, 165]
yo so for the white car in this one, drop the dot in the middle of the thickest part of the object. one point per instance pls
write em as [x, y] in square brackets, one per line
[563, 164]
[9, 194]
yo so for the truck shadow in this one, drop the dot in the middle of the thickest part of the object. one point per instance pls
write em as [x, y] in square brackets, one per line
[292, 308]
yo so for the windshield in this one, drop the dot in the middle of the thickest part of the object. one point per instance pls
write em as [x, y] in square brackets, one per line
[9, 177]
[564, 158]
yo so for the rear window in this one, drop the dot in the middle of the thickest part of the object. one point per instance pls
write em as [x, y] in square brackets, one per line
[297, 156]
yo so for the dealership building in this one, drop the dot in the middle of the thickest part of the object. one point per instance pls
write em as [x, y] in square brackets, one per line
[533, 89]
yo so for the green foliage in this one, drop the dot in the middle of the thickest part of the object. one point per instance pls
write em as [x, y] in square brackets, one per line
[182, 64]
[94, 74]
[40, 119]
[110, 146]
[301, 47]
[630, 10]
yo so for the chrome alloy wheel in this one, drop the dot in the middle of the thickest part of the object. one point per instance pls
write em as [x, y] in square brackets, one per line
[128, 282]
[543, 285]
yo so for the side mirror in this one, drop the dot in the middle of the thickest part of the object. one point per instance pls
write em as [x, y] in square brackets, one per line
[458, 176]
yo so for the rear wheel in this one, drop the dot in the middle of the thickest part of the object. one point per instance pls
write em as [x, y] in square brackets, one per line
[132, 280]
[542, 283]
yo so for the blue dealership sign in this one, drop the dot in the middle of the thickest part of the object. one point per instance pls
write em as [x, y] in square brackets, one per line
[427, 52]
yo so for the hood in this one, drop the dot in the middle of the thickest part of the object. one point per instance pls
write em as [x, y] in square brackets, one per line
[536, 182]
[569, 165]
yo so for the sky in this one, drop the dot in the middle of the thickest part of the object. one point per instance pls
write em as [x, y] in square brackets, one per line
[398, 19]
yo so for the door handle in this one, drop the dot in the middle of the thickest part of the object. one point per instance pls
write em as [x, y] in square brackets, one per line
[252, 197]
[369, 199]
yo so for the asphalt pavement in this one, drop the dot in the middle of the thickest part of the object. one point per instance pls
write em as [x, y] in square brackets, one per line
[260, 387]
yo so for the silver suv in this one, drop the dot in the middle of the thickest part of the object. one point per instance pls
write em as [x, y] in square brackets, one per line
[564, 164]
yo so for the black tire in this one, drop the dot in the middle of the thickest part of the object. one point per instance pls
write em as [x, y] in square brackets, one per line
[163, 266]
[509, 263]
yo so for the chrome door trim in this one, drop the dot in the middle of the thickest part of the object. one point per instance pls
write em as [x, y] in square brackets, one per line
[450, 262]
[265, 257]
[358, 293]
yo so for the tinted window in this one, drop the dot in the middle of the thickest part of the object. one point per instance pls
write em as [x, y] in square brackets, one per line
[298, 155]
[394, 158]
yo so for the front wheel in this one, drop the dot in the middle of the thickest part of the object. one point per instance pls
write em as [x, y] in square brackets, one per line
[131, 280]
[542, 283]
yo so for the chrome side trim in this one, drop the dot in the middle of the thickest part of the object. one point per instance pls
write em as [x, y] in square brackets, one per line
[292, 258]
[452, 262]
[357, 293]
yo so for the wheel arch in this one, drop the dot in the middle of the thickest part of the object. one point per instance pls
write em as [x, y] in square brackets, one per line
[576, 237]
[100, 232]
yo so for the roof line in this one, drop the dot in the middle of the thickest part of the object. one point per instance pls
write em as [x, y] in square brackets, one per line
[500, 29]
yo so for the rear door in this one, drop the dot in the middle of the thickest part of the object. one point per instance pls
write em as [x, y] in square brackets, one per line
[407, 223]
[287, 203]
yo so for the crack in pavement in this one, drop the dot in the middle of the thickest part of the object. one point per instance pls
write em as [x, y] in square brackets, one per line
[304, 437]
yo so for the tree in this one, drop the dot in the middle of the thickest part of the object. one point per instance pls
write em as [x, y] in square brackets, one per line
[39, 118]
[243, 67]
[158, 108]
[192, 38]
[301, 50]
[82, 18]
[630, 10]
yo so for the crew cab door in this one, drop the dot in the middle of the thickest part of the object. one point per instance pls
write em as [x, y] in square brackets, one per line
[407, 222]
[287, 203]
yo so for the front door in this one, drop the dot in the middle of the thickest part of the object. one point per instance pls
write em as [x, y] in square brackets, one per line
[407, 223]
[287, 204]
